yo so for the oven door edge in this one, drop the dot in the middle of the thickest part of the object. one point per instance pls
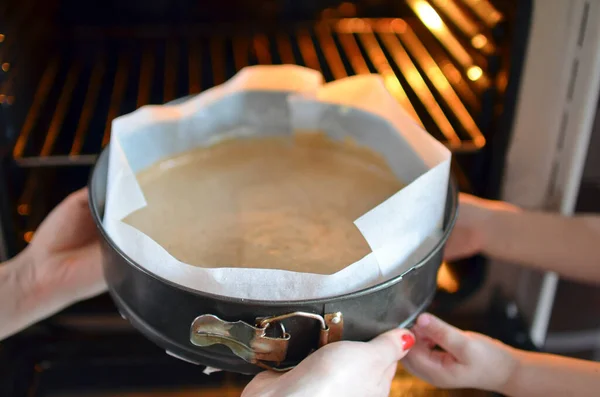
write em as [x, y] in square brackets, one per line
[556, 107]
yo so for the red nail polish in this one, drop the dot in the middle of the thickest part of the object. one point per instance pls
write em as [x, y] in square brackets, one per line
[407, 341]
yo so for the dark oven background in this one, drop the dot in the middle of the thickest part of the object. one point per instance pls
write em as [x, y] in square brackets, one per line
[67, 68]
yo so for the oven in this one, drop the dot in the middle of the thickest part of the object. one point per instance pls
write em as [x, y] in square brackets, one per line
[509, 86]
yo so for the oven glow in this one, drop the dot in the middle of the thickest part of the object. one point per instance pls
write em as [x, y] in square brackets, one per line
[451, 72]
[27, 236]
[479, 41]
[474, 73]
[347, 9]
[7, 99]
[486, 11]
[328, 13]
[434, 23]
[398, 26]
[446, 281]
[5, 66]
[428, 15]
[23, 209]
[395, 88]
[1, 38]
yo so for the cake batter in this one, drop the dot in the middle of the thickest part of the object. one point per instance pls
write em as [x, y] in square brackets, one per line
[274, 202]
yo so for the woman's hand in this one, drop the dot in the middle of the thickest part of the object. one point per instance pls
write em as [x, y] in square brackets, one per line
[339, 369]
[468, 359]
[471, 232]
[65, 251]
[61, 266]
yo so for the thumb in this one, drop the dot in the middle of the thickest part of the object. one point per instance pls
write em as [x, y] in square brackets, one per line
[449, 338]
[393, 345]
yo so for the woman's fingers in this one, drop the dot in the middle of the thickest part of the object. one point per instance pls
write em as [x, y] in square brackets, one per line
[449, 338]
[434, 366]
[392, 345]
[69, 225]
[421, 361]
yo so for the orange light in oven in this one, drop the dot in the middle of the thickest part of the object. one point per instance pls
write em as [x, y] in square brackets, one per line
[419, 86]
[395, 88]
[428, 15]
[1, 38]
[474, 73]
[328, 13]
[442, 33]
[457, 16]
[479, 41]
[8, 99]
[380, 61]
[23, 209]
[347, 9]
[441, 81]
[28, 236]
[451, 72]
[5, 66]
[486, 11]
[447, 281]
[465, 23]
[398, 26]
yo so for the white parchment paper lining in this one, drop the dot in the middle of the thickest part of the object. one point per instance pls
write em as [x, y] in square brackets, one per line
[276, 100]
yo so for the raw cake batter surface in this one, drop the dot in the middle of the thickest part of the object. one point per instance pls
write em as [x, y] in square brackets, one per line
[265, 203]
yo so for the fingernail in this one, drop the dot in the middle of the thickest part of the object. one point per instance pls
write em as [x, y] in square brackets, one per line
[407, 341]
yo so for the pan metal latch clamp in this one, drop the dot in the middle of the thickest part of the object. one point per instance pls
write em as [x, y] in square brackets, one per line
[253, 344]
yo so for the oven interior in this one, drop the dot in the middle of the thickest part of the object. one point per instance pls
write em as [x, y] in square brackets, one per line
[67, 68]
